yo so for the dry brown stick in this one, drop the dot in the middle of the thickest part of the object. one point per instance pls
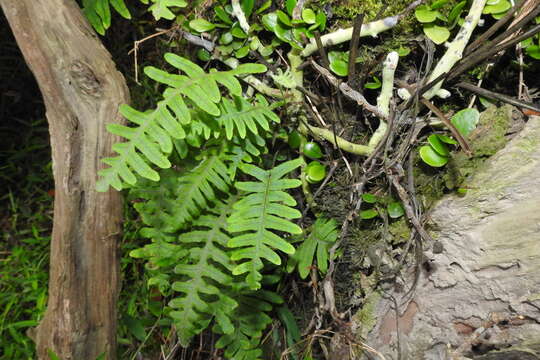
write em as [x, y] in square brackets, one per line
[348, 91]
[355, 40]
[501, 97]
[409, 211]
[461, 140]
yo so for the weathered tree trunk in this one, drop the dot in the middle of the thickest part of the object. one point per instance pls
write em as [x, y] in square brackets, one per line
[480, 295]
[82, 90]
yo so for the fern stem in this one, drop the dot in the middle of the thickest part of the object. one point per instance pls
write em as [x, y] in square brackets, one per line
[303, 176]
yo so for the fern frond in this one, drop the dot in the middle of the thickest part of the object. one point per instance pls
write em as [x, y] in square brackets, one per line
[160, 8]
[181, 195]
[150, 140]
[203, 278]
[323, 235]
[250, 320]
[243, 116]
[265, 207]
[98, 13]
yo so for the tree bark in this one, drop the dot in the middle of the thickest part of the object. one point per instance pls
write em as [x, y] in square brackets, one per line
[81, 89]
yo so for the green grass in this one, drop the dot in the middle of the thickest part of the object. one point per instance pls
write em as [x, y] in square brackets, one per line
[25, 223]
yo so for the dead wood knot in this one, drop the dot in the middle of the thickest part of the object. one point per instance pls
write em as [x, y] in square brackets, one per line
[85, 79]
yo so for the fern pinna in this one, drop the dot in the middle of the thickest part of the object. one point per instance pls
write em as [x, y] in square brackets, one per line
[265, 207]
[150, 139]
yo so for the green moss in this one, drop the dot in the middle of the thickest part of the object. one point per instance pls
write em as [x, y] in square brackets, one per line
[349, 9]
[365, 318]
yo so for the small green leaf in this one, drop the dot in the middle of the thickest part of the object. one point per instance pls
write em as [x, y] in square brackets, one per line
[237, 32]
[424, 14]
[315, 172]
[456, 11]
[242, 52]
[395, 210]
[203, 55]
[368, 214]
[438, 145]
[431, 157]
[294, 139]
[533, 51]
[312, 150]
[226, 38]
[264, 6]
[403, 51]
[270, 21]
[309, 16]
[497, 8]
[339, 67]
[289, 5]
[321, 20]
[222, 15]
[375, 84]
[369, 198]
[438, 34]
[52, 355]
[447, 139]
[438, 4]
[247, 7]
[284, 18]
[201, 25]
[465, 121]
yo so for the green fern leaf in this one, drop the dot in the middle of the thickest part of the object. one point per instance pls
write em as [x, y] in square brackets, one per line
[323, 235]
[202, 279]
[98, 13]
[180, 196]
[160, 8]
[244, 116]
[265, 207]
[151, 139]
[250, 319]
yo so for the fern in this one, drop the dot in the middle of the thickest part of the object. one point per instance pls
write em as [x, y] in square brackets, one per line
[98, 13]
[160, 8]
[265, 207]
[244, 116]
[323, 235]
[181, 195]
[203, 277]
[150, 140]
[250, 320]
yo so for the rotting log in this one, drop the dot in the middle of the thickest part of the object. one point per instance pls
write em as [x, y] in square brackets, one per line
[81, 89]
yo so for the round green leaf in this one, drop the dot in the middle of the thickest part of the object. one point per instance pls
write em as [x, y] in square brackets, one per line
[438, 34]
[424, 14]
[447, 139]
[226, 38]
[438, 145]
[369, 198]
[270, 21]
[238, 32]
[533, 51]
[312, 150]
[201, 25]
[242, 52]
[497, 8]
[368, 214]
[339, 67]
[465, 121]
[395, 210]
[294, 139]
[430, 156]
[321, 20]
[403, 51]
[315, 172]
[309, 16]
[203, 55]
